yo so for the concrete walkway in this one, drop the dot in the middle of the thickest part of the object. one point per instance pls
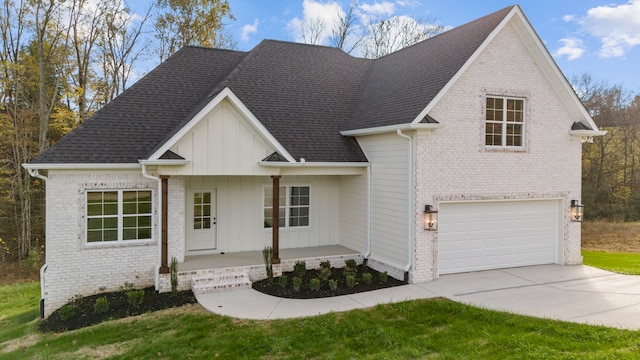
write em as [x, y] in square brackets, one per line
[571, 293]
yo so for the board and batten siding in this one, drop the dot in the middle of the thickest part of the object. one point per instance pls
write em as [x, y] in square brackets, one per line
[240, 211]
[388, 155]
[353, 212]
[223, 143]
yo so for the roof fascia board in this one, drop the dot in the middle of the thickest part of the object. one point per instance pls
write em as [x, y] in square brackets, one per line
[226, 93]
[466, 65]
[391, 128]
[587, 132]
[165, 162]
[282, 164]
[95, 166]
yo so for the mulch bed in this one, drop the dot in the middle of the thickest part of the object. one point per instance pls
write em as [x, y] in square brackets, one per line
[274, 288]
[118, 307]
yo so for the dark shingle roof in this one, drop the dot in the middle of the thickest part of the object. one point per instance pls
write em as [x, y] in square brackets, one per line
[401, 84]
[304, 95]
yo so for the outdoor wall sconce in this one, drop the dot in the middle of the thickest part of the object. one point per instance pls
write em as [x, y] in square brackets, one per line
[577, 211]
[430, 218]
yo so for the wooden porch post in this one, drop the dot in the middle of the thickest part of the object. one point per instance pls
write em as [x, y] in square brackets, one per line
[275, 226]
[164, 266]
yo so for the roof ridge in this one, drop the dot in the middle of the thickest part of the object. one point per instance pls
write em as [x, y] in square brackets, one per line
[455, 29]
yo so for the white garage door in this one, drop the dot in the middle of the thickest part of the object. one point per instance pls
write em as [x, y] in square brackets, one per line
[481, 235]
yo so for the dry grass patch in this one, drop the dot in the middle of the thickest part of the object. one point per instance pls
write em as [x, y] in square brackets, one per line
[15, 344]
[607, 236]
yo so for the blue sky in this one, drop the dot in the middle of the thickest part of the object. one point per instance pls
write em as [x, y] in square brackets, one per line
[599, 37]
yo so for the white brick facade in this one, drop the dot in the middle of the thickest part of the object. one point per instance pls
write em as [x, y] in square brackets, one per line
[453, 163]
[75, 267]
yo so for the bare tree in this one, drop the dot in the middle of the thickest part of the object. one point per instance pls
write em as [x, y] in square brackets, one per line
[311, 31]
[343, 34]
[119, 49]
[393, 34]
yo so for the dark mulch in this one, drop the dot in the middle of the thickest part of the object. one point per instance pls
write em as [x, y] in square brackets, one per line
[274, 288]
[84, 313]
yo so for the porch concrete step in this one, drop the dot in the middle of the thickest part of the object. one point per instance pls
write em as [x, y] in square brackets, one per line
[220, 282]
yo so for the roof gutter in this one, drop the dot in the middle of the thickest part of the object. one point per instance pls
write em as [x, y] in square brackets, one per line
[157, 273]
[93, 166]
[407, 267]
[34, 173]
[391, 128]
[160, 162]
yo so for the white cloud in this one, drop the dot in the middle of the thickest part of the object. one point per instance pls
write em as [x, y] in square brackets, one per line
[249, 29]
[316, 12]
[568, 18]
[572, 48]
[617, 27]
[372, 12]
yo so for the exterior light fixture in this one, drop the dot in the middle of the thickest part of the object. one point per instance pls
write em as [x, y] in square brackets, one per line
[430, 218]
[577, 211]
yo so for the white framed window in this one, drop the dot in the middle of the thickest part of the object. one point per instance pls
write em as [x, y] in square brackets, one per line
[118, 215]
[294, 206]
[504, 122]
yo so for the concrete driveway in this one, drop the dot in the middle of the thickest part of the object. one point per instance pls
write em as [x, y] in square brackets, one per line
[572, 293]
[576, 293]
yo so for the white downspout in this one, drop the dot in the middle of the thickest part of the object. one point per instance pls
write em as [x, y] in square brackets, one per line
[410, 203]
[157, 274]
[368, 252]
[34, 173]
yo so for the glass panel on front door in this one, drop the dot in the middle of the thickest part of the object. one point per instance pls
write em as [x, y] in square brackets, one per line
[201, 210]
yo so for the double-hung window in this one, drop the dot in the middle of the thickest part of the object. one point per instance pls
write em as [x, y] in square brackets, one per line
[118, 215]
[504, 122]
[293, 208]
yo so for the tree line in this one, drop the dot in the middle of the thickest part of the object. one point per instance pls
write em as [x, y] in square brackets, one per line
[60, 61]
[611, 164]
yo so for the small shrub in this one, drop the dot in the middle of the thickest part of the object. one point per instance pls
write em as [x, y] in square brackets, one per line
[67, 312]
[382, 277]
[127, 287]
[324, 274]
[350, 281]
[300, 268]
[349, 271]
[297, 284]
[135, 297]
[267, 255]
[283, 280]
[333, 284]
[34, 259]
[173, 271]
[351, 263]
[367, 278]
[314, 284]
[101, 305]
[325, 264]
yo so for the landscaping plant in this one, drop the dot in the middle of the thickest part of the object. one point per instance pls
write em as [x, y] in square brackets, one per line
[267, 255]
[300, 268]
[173, 271]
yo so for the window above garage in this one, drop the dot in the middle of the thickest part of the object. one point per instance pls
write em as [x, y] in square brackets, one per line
[504, 122]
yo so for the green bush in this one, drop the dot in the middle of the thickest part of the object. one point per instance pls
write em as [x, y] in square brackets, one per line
[324, 274]
[382, 277]
[297, 284]
[135, 297]
[300, 268]
[267, 255]
[101, 305]
[314, 284]
[34, 260]
[173, 271]
[333, 284]
[283, 280]
[351, 263]
[350, 281]
[367, 278]
[67, 311]
[325, 264]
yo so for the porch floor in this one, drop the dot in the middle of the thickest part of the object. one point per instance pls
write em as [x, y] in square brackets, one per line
[246, 258]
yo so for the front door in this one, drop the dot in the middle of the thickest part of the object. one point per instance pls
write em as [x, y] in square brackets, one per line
[202, 220]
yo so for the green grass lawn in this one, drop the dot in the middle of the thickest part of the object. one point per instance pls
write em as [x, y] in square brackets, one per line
[434, 329]
[624, 263]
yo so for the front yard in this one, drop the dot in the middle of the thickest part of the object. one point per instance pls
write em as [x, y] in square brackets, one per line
[436, 329]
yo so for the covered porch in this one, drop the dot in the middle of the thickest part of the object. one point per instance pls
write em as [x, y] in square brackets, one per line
[231, 271]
